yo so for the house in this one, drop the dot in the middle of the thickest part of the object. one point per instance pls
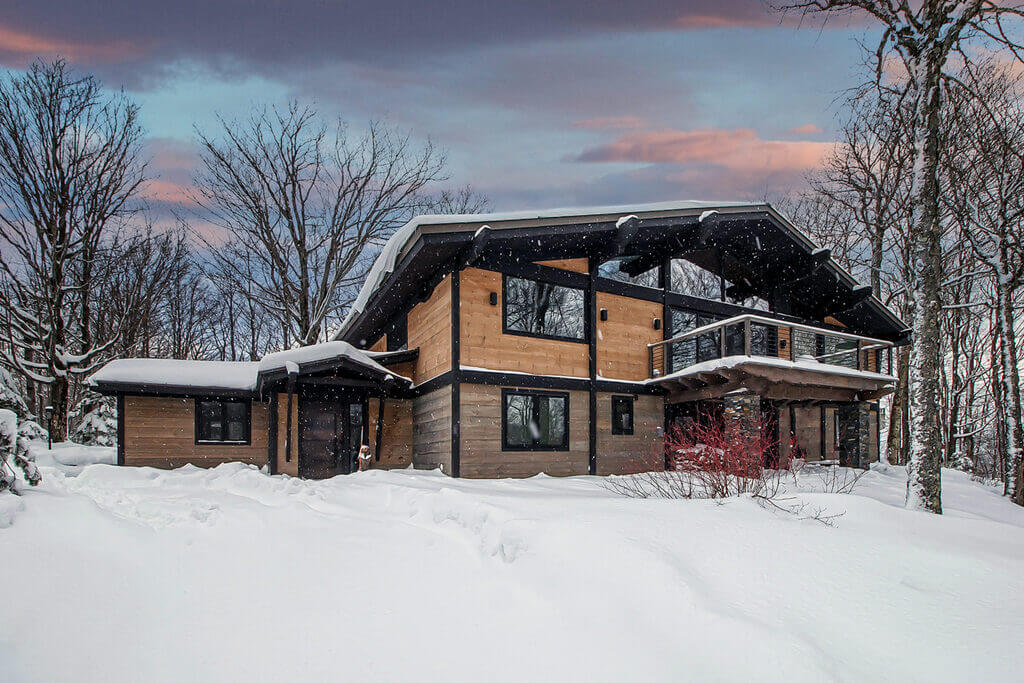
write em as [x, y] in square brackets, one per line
[563, 342]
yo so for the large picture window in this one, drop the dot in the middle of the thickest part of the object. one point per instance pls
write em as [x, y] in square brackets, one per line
[541, 309]
[222, 421]
[534, 420]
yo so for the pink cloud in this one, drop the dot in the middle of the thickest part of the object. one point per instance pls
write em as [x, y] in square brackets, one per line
[739, 149]
[806, 129]
[611, 123]
[22, 47]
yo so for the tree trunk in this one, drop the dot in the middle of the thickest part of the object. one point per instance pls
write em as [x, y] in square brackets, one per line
[895, 444]
[59, 400]
[924, 474]
[1011, 396]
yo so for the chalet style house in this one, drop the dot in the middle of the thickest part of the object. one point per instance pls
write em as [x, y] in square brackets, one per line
[564, 342]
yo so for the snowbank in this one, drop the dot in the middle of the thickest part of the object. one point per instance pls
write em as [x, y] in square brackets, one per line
[231, 574]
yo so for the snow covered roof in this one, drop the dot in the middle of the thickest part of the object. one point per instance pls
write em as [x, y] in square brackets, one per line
[162, 372]
[389, 256]
[234, 376]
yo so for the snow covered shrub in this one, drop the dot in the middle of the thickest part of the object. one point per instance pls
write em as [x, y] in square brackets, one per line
[96, 417]
[711, 458]
[14, 451]
[31, 430]
[10, 394]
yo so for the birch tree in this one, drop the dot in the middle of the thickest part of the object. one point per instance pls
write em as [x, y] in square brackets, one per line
[922, 36]
[69, 170]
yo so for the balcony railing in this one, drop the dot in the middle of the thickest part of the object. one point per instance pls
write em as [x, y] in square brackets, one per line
[755, 335]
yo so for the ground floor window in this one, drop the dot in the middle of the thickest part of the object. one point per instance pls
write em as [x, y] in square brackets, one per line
[622, 414]
[223, 421]
[534, 420]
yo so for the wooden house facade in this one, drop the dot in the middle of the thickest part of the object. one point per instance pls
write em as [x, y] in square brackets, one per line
[564, 342]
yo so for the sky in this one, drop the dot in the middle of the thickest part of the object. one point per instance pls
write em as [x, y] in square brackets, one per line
[538, 104]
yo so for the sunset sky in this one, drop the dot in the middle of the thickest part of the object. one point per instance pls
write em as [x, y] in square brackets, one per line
[539, 104]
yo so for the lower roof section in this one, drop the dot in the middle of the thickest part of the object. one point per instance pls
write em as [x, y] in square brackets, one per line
[775, 379]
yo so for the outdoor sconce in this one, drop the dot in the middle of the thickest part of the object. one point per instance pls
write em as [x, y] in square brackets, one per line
[657, 323]
[494, 298]
[604, 314]
[782, 343]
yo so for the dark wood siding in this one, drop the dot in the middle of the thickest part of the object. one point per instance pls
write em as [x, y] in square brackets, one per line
[432, 430]
[641, 451]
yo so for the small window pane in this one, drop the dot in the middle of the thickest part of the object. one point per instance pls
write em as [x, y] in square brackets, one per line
[552, 421]
[612, 271]
[211, 427]
[235, 415]
[543, 309]
[518, 419]
[622, 414]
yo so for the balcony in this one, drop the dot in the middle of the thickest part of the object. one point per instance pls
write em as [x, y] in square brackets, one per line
[776, 359]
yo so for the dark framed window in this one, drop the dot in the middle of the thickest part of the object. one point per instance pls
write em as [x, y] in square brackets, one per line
[223, 421]
[622, 414]
[534, 420]
[541, 309]
[611, 270]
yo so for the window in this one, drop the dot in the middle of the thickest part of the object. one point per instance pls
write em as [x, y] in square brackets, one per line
[611, 271]
[534, 420]
[540, 309]
[695, 349]
[622, 414]
[222, 421]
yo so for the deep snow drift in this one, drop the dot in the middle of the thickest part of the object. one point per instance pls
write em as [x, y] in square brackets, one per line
[121, 574]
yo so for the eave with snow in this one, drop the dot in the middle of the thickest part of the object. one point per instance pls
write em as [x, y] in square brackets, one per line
[554, 341]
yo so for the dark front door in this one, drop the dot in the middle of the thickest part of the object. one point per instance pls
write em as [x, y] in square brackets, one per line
[330, 433]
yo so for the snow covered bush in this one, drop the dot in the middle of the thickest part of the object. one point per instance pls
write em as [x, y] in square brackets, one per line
[711, 458]
[96, 418]
[10, 394]
[31, 430]
[14, 451]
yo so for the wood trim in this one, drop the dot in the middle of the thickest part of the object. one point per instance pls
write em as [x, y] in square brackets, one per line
[120, 429]
[272, 436]
[455, 301]
[591, 323]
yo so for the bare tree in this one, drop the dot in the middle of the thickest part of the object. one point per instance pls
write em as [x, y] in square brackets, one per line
[300, 206]
[923, 36]
[69, 169]
[986, 198]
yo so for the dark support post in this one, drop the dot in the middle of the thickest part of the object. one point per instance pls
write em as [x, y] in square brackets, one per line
[272, 441]
[380, 428]
[721, 275]
[288, 419]
[591, 319]
[120, 429]
[456, 367]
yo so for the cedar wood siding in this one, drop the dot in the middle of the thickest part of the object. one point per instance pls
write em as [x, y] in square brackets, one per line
[432, 430]
[159, 431]
[481, 453]
[577, 265]
[484, 345]
[430, 329]
[638, 452]
[287, 467]
[622, 339]
[397, 436]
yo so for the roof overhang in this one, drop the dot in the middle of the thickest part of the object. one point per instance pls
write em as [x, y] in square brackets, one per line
[760, 250]
[774, 379]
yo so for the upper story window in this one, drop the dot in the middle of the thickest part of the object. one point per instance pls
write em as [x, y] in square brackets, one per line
[541, 309]
[222, 421]
[689, 278]
[611, 270]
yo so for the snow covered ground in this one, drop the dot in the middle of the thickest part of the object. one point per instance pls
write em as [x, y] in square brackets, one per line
[121, 574]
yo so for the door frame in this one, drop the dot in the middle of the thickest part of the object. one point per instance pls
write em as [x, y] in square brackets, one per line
[344, 395]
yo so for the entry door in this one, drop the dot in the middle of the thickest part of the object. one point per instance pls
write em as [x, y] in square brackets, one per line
[330, 432]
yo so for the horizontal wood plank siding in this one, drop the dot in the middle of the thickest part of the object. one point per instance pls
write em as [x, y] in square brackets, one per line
[429, 330]
[481, 453]
[577, 265]
[622, 339]
[160, 432]
[396, 439]
[432, 430]
[287, 467]
[483, 345]
[641, 451]
[785, 345]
